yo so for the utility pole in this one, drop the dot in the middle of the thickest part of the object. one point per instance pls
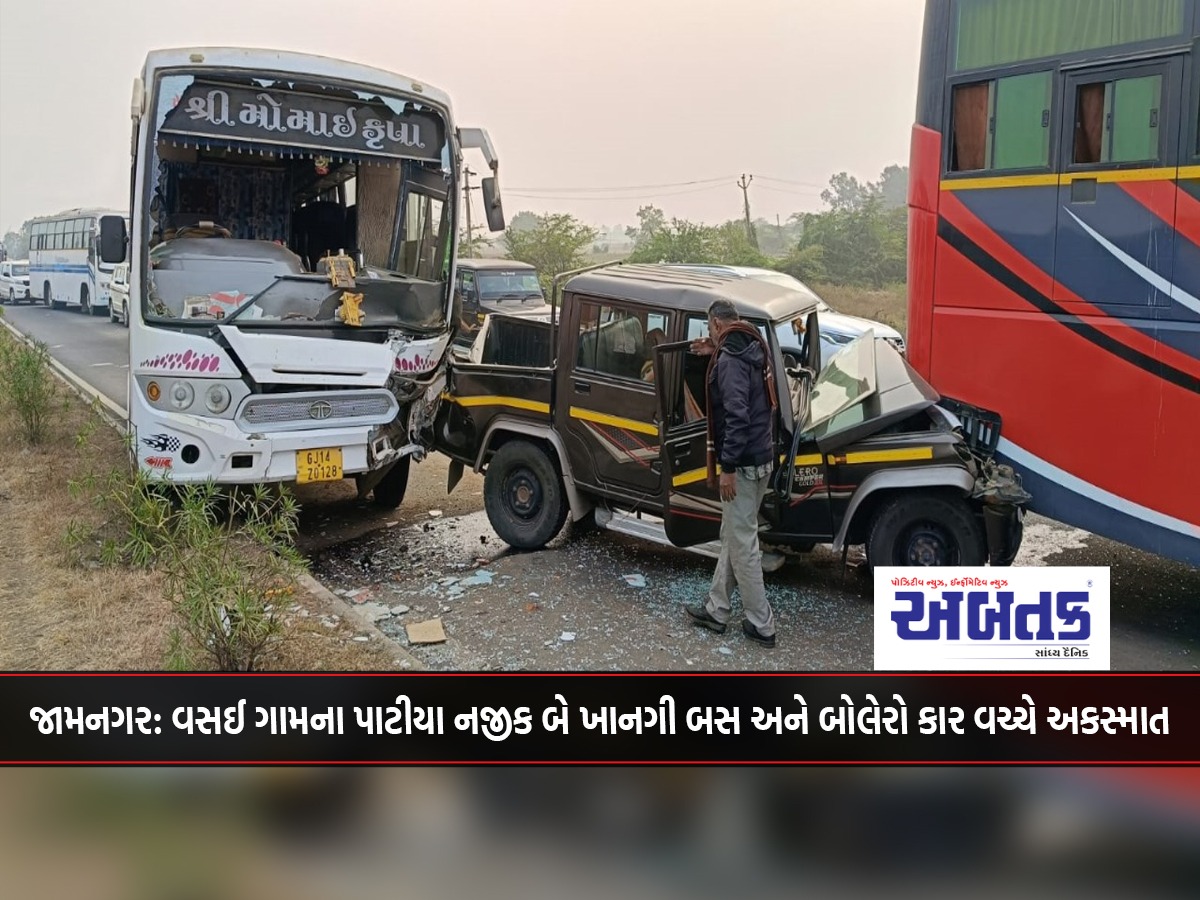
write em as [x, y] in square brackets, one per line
[744, 184]
[467, 173]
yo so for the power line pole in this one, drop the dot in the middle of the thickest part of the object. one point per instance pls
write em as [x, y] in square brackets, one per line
[467, 173]
[744, 184]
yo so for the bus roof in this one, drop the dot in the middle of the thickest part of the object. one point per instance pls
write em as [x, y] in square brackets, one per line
[82, 212]
[284, 61]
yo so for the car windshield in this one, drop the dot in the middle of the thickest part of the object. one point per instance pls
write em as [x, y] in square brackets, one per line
[506, 284]
[20, 270]
[844, 383]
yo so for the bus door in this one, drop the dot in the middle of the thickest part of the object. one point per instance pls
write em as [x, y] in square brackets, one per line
[1116, 209]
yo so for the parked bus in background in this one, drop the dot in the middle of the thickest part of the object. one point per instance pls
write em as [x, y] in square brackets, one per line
[65, 269]
[294, 228]
[1054, 250]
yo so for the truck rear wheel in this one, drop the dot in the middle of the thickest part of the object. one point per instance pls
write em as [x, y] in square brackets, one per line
[926, 530]
[524, 497]
[389, 493]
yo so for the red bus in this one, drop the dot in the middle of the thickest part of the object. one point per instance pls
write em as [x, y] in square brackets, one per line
[1054, 250]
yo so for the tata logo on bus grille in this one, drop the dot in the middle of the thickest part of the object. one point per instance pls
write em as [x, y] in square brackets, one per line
[1028, 618]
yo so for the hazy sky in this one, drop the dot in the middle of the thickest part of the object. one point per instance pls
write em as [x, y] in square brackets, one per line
[577, 96]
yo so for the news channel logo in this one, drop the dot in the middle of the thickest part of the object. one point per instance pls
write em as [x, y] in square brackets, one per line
[1021, 618]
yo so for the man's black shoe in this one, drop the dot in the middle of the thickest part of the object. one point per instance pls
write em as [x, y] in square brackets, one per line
[767, 640]
[700, 616]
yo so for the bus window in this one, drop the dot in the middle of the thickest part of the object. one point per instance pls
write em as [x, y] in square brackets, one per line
[1118, 121]
[1002, 124]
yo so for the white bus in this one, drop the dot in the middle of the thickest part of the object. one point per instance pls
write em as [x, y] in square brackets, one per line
[65, 269]
[294, 229]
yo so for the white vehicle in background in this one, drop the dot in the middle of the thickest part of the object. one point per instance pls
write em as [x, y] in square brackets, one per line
[14, 281]
[118, 295]
[290, 265]
[838, 330]
[65, 269]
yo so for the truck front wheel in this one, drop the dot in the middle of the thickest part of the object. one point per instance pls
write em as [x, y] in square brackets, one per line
[524, 497]
[926, 530]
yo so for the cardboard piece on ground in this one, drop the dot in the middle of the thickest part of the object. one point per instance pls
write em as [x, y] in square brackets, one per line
[429, 632]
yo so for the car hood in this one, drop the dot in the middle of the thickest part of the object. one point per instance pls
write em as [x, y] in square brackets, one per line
[534, 308]
[855, 325]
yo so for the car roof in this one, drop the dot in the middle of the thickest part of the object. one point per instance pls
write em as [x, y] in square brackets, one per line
[693, 290]
[495, 264]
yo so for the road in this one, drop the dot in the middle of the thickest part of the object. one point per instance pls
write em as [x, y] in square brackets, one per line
[570, 607]
[90, 346]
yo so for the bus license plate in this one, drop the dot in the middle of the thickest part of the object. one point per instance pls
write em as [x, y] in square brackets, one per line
[324, 464]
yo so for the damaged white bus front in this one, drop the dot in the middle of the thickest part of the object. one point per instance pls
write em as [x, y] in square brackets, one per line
[294, 228]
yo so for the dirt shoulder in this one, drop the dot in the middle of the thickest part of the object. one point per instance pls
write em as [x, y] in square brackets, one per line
[58, 615]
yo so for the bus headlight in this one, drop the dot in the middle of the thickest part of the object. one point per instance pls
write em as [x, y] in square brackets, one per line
[182, 395]
[217, 399]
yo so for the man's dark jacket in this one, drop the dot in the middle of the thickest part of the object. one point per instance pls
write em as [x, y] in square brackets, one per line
[741, 409]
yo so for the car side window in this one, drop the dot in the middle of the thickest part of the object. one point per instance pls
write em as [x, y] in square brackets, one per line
[612, 341]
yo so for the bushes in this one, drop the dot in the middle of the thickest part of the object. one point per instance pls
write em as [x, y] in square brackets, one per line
[27, 388]
[227, 556]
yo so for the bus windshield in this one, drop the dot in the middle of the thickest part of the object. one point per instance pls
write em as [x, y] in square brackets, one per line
[254, 178]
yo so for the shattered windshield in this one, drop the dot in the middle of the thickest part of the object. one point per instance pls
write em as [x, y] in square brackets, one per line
[255, 183]
[844, 383]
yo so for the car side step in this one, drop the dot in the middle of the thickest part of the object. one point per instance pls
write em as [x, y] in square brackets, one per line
[651, 528]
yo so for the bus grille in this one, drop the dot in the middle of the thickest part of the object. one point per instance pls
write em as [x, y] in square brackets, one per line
[317, 409]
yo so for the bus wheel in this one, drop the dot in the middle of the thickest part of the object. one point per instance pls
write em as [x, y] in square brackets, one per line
[389, 493]
[523, 495]
[84, 306]
[47, 297]
[926, 530]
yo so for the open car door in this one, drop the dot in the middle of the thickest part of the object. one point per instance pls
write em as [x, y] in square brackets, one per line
[692, 511]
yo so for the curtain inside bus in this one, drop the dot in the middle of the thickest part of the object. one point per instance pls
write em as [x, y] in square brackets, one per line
[998, 32]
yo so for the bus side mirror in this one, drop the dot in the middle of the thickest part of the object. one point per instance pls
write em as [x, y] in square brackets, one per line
[112, 239]
[492, 205]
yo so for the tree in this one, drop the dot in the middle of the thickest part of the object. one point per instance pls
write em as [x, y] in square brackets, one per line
[845, 192]
[16, 243]
[556, 244]
[523, 221]
[893, 187]
[651, 222]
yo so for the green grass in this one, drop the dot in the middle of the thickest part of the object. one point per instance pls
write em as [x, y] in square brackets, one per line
[889, 306]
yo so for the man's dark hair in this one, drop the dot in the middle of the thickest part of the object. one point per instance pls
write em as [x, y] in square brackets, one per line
[723, 311]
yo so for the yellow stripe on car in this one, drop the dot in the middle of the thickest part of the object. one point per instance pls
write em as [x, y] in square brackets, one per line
[589, 415]
[515, 402]
[858, 457]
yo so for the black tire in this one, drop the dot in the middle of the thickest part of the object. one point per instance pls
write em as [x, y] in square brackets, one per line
[47, 295]
[926, 530]
[389, 493]
[524, 496]
[85, 305]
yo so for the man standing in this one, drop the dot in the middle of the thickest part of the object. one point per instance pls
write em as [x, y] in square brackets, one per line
[741, 409]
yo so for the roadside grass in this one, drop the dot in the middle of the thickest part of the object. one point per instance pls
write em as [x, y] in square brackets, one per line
[889, 306]
[67, 604]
